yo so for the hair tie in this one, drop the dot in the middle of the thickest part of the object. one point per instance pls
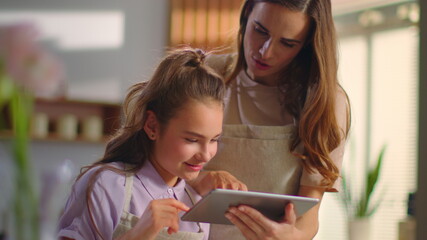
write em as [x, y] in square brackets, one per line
[201, 54]
[197, 60]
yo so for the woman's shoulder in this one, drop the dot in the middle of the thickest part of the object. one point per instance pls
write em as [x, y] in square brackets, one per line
[341, 98]
[221, 63]
[342, 109]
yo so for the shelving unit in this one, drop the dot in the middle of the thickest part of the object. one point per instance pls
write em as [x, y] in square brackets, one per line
[108, 116]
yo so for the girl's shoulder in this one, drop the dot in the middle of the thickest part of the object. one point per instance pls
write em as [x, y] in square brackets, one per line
[106, 178]
[106, 199]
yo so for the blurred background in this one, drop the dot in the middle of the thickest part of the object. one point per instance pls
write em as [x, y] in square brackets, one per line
[106, 46]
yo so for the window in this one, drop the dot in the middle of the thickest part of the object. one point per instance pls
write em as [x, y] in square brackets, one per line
[378, 69]
[207, 24]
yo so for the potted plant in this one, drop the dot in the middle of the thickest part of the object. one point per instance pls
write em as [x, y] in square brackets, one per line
[360, 207]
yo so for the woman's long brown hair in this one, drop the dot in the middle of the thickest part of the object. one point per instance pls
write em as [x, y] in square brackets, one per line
[180, 76]
[311, 85]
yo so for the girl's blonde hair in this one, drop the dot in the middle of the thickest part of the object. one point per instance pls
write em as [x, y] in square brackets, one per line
[181, 76]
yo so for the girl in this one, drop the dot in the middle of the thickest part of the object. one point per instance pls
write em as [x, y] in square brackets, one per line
[137, 190]
[285, 115]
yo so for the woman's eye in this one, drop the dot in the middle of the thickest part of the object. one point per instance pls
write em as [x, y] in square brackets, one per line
[192, 140]
[260, 31]
[215, 140]
[290, 45]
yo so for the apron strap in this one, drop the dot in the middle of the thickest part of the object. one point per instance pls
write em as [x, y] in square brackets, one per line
[190, 195]
[128, 191]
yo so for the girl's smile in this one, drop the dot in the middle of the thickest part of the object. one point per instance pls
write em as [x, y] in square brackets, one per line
[195, 167]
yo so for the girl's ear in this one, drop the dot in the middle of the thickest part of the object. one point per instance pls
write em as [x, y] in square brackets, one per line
[151, 125]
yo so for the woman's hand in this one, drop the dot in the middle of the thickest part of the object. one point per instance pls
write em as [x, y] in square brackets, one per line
[209, 180]
[159, 214]
[255, 225]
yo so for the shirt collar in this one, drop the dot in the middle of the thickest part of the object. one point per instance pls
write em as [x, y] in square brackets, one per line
[248, 82]
[154, 183]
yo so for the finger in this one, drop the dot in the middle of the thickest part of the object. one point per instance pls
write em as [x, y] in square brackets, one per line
[165, 213]
[233, 186]
[173, 203]
[173, 228]
[244, 229]
[290, 215]
[167, 219]
[243, 187]
[236, 185]
[178, 205]
[225, 180]
[255, 220]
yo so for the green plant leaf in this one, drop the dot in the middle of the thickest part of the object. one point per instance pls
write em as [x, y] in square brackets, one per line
[374, 206]
[26, 200]
[346, 196]
[363, 206]
[373, 176]
[6, 89]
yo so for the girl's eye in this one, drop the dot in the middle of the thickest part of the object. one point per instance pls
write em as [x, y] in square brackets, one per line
[192, 140]
[215, 140]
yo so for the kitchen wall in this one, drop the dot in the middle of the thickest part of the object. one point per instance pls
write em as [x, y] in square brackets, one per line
[105, 46]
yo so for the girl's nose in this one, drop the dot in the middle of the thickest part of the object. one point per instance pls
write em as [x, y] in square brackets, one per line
[205, 154]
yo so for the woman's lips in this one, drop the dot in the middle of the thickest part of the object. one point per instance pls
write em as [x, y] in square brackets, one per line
[261, 65]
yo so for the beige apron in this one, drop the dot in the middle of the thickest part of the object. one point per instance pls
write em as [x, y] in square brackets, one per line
[259, 156]
[128, 220]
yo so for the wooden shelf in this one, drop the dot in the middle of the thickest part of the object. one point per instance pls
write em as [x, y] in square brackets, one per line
[107, 118]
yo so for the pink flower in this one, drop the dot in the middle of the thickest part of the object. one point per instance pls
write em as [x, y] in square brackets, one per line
[30, 66]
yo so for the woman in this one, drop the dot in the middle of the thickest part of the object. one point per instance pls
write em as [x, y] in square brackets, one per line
[286, 117]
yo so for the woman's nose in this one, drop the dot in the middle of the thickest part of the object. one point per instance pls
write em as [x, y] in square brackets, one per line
[266, 49]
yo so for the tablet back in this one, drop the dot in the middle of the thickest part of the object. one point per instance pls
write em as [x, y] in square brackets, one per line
[213, 206]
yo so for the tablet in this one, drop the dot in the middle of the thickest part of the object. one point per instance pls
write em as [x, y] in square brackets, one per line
[212, 207]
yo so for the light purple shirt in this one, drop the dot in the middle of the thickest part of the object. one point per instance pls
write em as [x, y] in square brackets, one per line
[108, 198]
